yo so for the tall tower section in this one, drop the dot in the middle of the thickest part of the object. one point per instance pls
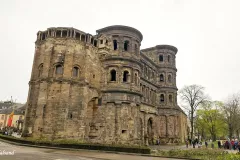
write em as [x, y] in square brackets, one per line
[167, 70]
[164, 58]
[122, 65]
[64, 79]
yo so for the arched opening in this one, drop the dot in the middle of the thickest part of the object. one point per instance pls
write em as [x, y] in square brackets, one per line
[125, 76]
[58, 33]
[113, 75]
[136, 79]
[161, 78]
[162, 98]
[43, 36]
[161, 58]
[59, 69]
[40, 70]
[75, 71]
[150, 131]
[169, 58]
[91, 40]
[77, 36]
[95, 43]
[170, 98]
[70, 116]
[126, 43]
[64, 33]
[115, 44]
[169, 78]
[83, 37]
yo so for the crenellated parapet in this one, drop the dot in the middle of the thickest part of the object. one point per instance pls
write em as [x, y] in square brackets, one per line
[67, 32]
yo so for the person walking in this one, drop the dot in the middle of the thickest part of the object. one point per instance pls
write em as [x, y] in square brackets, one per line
[186, 143]
[239, 146]
[219, 144]
[206, 144]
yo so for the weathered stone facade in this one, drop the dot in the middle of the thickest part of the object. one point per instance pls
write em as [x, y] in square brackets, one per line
[103, 88]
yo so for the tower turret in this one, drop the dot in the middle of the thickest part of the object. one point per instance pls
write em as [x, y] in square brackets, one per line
[122, 65]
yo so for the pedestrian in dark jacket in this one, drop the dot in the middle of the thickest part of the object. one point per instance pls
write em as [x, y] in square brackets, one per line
[206, 144]
[219, 144]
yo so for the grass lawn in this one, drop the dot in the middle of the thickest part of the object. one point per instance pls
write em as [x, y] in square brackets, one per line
[203, 153]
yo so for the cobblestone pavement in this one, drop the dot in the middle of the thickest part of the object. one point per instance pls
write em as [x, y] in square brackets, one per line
[30, 153]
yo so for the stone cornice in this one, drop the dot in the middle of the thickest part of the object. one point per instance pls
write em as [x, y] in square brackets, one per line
[121, 27]
[121, 58]
[169, 47]
[121, 91]
[146, 80]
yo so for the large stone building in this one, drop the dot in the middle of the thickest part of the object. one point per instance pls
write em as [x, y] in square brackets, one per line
[102, 88]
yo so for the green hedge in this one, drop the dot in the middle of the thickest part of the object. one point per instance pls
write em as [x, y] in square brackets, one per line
[78, 145]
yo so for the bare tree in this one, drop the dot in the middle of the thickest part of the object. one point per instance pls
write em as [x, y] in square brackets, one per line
[193, 95]
[231, 110]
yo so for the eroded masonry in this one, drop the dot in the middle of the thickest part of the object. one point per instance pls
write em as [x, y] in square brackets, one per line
[102, 88]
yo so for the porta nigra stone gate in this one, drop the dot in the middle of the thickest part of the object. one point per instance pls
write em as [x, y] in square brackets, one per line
[103, 89]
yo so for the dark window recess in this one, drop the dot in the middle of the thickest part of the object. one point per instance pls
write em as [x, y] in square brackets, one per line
[44, 110]
[161, 58]
[93, 76]
[64, 33]
[91, 40]
[126, 45]
[95, 43]
[113, 75]
[162, 98]
[106, 41]
[43, 36]
[124, 131]
[101, 41]
[161, 78]
[83, 38]
[99, 101]
[115, 44]
[70, 116]
[75, 71]
[77, 35]
[58, 34]
[125, 76]
[59, 69]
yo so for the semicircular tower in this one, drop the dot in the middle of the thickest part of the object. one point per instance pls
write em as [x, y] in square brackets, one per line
[122, 65]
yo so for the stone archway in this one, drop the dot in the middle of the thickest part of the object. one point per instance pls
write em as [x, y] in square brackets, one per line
[150, 132]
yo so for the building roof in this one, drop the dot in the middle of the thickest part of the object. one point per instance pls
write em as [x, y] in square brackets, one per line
[19, 109]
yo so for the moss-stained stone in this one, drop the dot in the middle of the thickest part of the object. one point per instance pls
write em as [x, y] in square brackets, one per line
[103, 88]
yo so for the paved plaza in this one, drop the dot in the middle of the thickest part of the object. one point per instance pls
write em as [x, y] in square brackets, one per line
[29, 153]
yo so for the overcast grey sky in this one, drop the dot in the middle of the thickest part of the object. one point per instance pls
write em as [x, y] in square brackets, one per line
[206, 33]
